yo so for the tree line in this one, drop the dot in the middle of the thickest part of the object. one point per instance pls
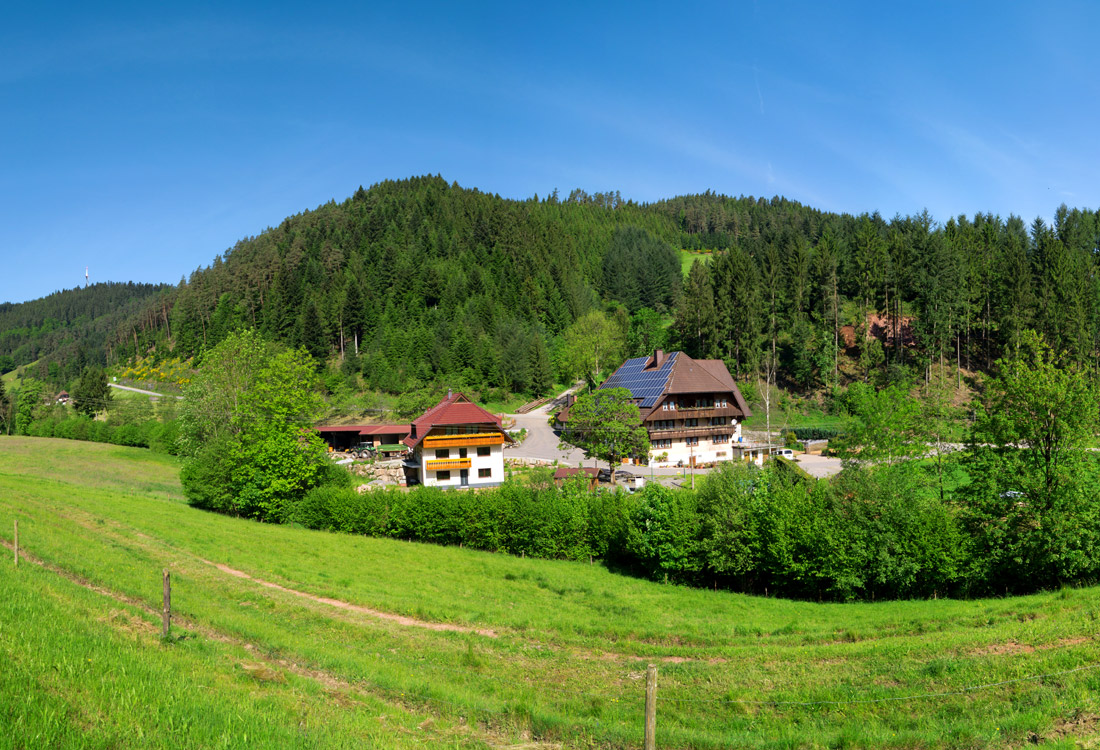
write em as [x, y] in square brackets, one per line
[911, 292]
[417, 281]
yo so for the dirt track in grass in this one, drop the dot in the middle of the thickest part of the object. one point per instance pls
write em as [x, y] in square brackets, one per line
[391, 617]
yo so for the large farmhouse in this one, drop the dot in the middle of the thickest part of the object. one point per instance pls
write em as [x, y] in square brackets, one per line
[456, 443]
[691, 408]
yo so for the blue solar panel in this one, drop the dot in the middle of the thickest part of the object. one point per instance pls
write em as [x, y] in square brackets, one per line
[647, 385]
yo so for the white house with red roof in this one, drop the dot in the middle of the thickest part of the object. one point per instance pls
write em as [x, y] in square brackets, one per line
[456, 444]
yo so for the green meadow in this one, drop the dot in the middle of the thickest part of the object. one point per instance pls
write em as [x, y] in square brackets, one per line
[284, 637]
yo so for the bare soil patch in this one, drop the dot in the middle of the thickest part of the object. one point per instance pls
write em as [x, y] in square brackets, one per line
[389, 616]
[1014, 647]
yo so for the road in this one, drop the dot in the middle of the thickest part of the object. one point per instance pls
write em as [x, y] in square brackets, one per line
[139, 390]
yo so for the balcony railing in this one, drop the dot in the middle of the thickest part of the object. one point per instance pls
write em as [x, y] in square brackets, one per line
[699, 432]
[701, 412]
[464, 441]
[445, 464]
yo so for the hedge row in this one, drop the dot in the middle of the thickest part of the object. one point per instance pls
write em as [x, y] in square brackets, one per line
[159, 436]
[869, 536]
[803, 434]
[569, 524]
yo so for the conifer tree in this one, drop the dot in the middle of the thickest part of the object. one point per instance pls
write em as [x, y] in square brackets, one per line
[91, 394]
[696, 316]
[541, 377]
[311, 335]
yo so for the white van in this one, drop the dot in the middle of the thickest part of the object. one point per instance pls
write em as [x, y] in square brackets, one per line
[786, 453]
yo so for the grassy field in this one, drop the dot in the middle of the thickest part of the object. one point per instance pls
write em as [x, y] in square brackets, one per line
[487, 651]
[687, 257]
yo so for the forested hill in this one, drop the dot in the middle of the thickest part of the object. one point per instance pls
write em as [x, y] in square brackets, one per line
[431, 281]
[72, 328]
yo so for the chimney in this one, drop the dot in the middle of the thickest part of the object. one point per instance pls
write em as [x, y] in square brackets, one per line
[450, 393]
[658, 358]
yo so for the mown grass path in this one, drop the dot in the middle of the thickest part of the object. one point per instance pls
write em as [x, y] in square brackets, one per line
[560, 659]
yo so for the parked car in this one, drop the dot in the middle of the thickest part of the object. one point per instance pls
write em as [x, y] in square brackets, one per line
[784, 453]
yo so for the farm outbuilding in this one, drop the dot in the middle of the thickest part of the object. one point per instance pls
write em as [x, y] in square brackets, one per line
[357, 436]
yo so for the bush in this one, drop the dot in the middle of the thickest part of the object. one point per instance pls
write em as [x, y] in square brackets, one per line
[661, 540]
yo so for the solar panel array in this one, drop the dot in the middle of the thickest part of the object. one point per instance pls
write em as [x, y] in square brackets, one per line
[647, 385]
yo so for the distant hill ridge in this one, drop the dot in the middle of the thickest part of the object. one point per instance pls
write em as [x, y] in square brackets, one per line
[434, 282]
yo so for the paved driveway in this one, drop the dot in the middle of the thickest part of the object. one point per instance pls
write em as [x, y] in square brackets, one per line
[819, 466]
[542, 441]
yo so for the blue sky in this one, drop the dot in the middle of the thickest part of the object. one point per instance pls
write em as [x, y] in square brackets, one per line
[142, 140]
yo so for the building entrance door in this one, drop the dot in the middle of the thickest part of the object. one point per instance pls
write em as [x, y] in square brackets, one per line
[464, 477]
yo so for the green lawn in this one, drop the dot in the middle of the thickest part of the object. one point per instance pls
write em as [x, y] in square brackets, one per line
[564, 662]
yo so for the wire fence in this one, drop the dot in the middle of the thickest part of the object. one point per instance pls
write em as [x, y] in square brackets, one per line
[533, 686]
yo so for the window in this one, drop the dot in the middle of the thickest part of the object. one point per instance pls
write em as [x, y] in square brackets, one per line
[672, 405]
[664, 406]
[691, 423]
[662, 444]
[484, 450]
[443, 453]
[452, 430]
[462, 453]
[721, 438]
[443, 476]
[720, 454]
[691, 441]
[484, 473]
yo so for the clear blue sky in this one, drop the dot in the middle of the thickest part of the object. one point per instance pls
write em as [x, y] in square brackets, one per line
[142, 140]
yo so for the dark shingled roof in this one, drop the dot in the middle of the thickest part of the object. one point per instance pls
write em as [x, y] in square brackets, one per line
[649, 379]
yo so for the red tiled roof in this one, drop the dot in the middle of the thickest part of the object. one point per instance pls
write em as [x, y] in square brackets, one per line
[454, 410]
[341, 428]
[565, 471]
[385, 429]
[366, 429]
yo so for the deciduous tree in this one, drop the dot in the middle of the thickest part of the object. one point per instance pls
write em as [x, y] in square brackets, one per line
[246, 429]
[607, 425]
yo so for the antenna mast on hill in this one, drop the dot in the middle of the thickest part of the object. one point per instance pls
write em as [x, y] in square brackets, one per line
[85, 277]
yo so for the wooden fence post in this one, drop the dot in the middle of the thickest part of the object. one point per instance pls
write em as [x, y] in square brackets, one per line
[651, 707]
[166, 613]
[16, 544]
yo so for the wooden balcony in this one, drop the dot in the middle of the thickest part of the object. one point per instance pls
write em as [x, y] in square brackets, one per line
[699, 432]
[463, 441]
[446, 464]
[727, 412]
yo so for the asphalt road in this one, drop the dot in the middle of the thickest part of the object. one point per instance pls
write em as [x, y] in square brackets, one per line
[139, 390]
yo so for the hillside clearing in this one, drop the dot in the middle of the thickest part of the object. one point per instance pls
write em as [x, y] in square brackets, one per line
[566, 665]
